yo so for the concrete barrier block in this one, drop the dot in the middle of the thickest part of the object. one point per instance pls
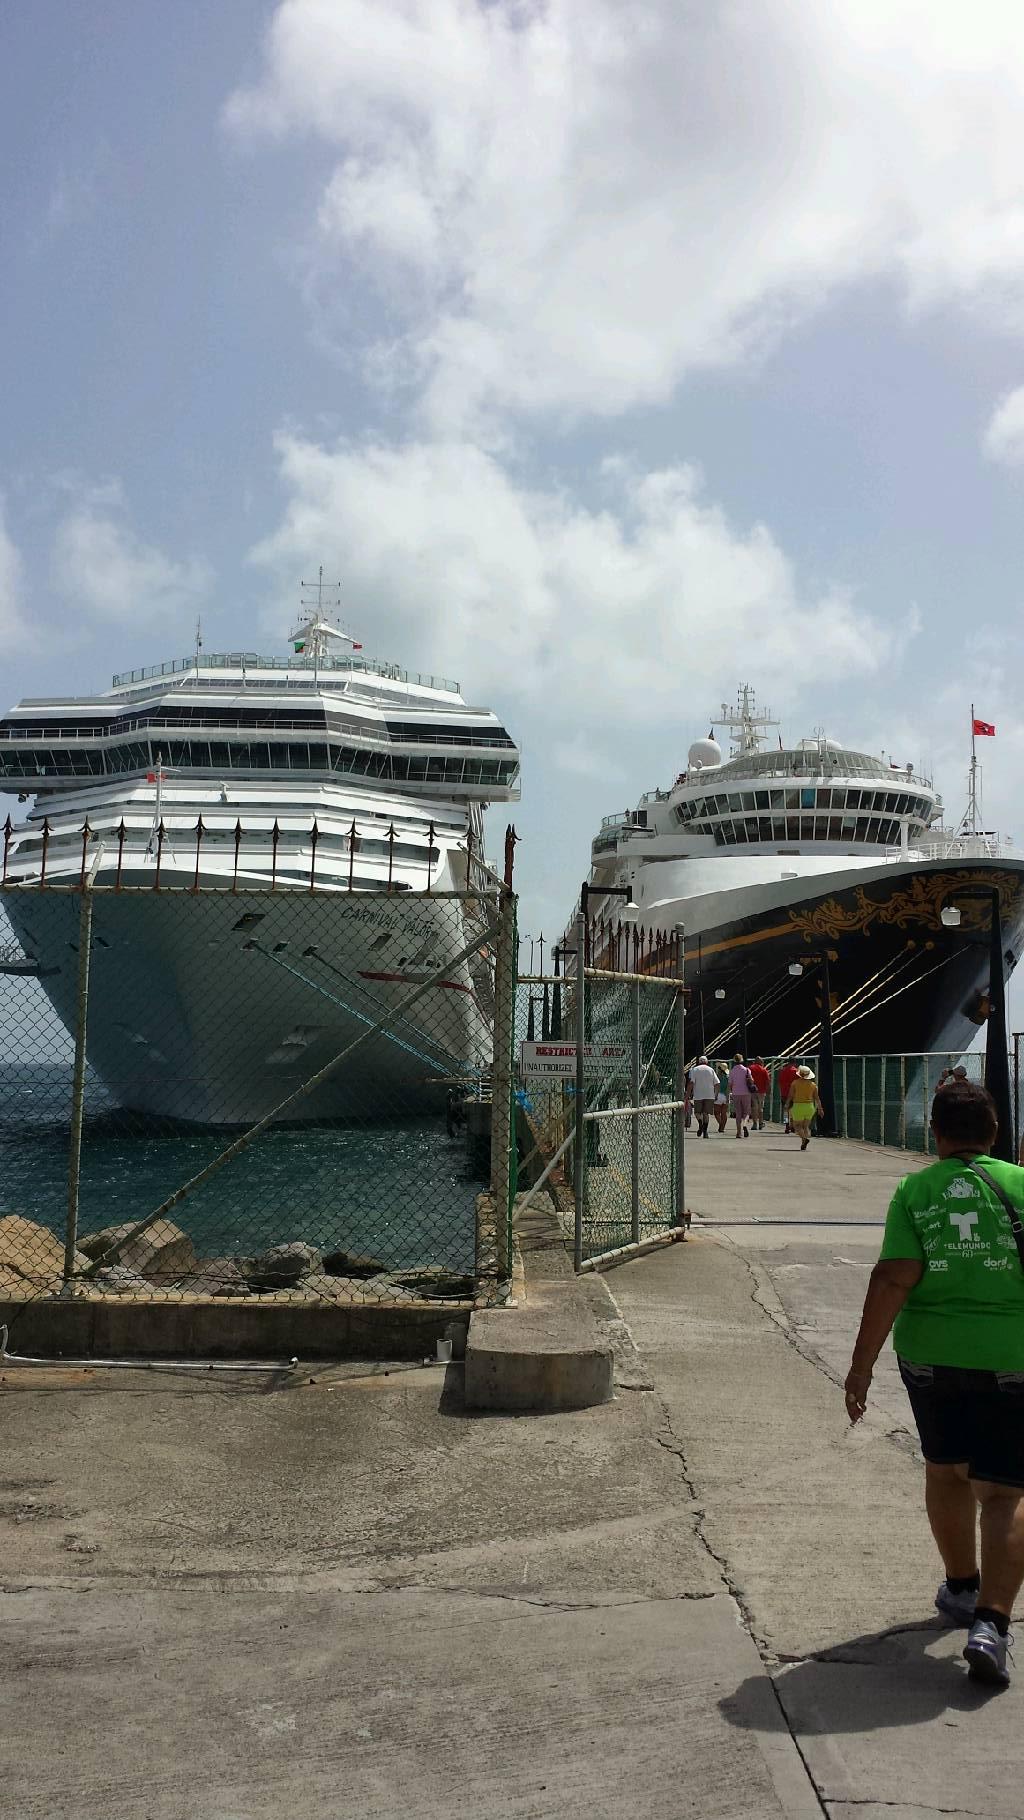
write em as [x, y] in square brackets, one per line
[538, 1359]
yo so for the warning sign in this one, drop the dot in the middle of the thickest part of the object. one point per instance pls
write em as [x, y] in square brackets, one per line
[559, 1059]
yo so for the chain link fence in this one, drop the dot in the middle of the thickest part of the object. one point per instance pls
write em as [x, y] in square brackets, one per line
[886, 1099]
[270, 1094]
[611, 1159]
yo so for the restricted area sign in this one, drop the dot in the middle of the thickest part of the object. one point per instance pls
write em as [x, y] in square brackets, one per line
[560, 1058]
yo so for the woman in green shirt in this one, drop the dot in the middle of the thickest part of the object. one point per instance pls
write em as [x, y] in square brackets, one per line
[949, 1284]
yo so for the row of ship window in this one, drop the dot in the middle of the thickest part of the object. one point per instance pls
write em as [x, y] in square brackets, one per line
[873, 831]
[256, 755]
[300, 720]
[879, 802]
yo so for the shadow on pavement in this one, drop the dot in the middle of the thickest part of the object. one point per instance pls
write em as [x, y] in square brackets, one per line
[885, 1680]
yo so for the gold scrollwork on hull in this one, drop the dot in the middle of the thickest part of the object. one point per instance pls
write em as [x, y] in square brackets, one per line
[921, 902]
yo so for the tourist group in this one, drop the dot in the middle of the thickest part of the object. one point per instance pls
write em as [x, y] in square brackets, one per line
[718, 1090]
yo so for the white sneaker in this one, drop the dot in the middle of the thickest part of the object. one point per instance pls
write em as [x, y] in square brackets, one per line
[957, 1607]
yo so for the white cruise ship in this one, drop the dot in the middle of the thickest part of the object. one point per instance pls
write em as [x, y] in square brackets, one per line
[778, 858]
[228, 774]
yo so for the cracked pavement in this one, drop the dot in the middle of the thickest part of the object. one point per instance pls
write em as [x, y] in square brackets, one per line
[819, 1530]
[338, 1594]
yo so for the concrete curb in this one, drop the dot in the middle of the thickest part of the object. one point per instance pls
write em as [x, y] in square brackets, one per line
[547, 1353]
[230, 1329]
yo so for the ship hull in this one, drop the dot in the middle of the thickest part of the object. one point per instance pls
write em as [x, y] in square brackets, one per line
[214, 1007]
[900, 982]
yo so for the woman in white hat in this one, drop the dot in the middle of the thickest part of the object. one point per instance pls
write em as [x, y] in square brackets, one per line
[802, 1104]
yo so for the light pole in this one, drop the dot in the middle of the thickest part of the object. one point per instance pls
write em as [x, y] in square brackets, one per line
[587, 891]
[997, 1058]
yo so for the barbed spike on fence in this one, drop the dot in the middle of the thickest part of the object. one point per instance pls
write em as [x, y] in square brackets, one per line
[431, 835]
[159, 852]
[390, 838]
[8, 831]
[275, 835]
[86, 831]
[511, 843]
[200, 831]
[314, 836]
[46, 843]
[352, 841]
[121, 834]
[238, 842]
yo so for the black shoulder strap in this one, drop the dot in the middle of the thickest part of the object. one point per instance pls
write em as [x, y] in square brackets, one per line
[1016, 1223]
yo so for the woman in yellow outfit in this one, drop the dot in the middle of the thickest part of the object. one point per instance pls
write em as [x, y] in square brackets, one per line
[802, 1103]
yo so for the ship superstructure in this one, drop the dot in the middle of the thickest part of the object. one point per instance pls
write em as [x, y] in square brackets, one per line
[233, 772]
[775, 852]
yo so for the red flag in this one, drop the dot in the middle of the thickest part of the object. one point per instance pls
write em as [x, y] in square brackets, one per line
[984, 729]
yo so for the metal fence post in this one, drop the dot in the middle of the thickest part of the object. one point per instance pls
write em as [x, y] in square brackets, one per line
[78, 1080]
[634, 1089]
[883, 1084]
[846, 1116]
[903, 1102]
[925, 1130]
[579, 1146]
[502, 1125]
[680, 1115]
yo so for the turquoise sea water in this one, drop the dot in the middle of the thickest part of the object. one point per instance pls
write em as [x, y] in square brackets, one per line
[398, 1191]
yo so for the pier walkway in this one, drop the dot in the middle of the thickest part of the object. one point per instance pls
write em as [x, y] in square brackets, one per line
[339, 1595]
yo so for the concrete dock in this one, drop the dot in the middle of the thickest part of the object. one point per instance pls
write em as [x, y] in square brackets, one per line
[337, 1594]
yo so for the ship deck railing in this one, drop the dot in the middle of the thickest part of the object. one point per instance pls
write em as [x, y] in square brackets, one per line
[242, 660]
[957, 846]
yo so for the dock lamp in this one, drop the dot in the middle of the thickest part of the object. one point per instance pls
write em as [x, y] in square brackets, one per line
[587, 891]
[997, 1059]
[826, 1053]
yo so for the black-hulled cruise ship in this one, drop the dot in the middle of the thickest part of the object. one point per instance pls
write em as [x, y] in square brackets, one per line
[232, 772]
[778, 858]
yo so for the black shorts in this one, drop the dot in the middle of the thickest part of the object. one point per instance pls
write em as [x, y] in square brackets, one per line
[969, 1417]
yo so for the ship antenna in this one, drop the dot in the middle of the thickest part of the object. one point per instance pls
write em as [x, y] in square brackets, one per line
[747, 722]
[973, 812]
[199, 639]
[317, 630]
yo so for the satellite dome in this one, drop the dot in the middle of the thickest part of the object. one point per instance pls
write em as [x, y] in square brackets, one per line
[704, 754]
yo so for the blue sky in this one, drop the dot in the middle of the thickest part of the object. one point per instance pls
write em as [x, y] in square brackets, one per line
[610, 352]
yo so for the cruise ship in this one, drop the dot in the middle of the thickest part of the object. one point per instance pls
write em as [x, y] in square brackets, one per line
[789, 866]
[316, 773]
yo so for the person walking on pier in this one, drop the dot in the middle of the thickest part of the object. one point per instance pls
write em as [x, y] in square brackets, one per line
[741, 1090]
[762, 1088]
[722, 1097]
[704, 1083]
[787, 1076]
[802, 1102]
[950, 1287]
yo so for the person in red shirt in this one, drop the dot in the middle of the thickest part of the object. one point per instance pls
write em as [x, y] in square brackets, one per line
[787, 1076]
[762, 1087]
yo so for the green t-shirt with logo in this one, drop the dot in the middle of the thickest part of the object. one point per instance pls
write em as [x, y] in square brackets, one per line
[968, 1308]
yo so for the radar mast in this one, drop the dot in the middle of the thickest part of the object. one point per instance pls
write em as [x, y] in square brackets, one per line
[312, 637]
[747, 724]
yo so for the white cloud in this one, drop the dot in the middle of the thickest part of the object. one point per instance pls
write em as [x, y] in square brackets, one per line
[1003, 440]
[12, 628]
[107, 572]
[615, 617]
[590, 198]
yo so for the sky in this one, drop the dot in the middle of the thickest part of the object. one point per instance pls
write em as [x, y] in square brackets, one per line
[608, 353]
